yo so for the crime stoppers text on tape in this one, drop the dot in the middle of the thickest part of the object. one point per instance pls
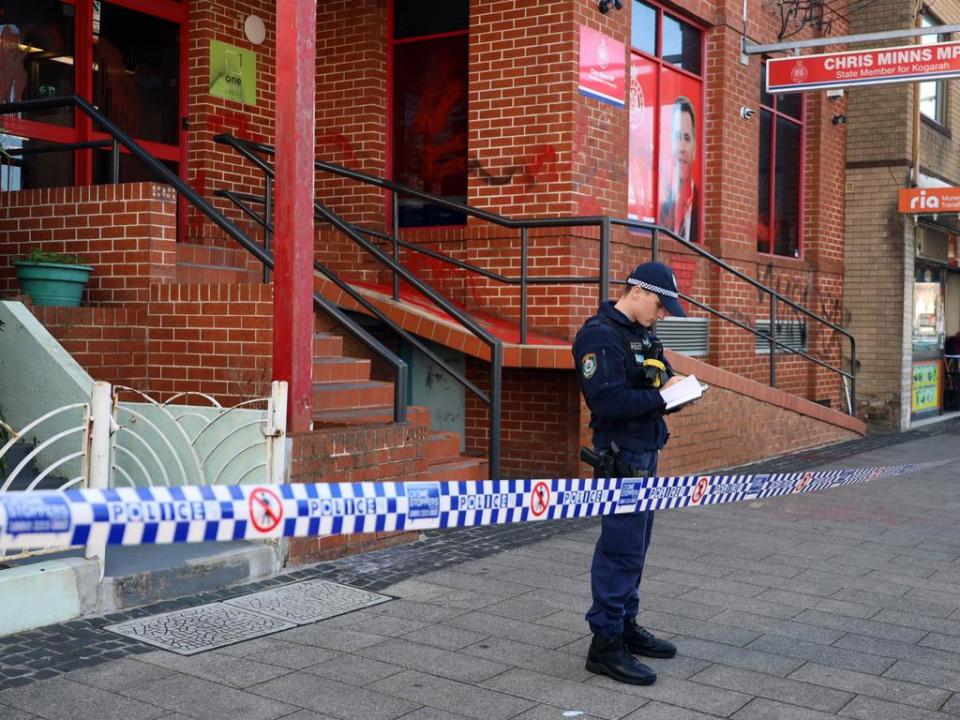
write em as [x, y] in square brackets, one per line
[162, 515]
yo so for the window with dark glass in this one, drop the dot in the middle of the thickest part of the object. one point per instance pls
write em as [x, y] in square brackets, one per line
[780, 162]
[933, 92]
[429, 123]
[37, 55]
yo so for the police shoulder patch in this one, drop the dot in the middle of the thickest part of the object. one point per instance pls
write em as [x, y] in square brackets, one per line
[588, 365]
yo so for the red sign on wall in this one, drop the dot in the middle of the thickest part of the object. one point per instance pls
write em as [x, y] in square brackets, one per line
[864, 67]
[929, 201]
[603, 74]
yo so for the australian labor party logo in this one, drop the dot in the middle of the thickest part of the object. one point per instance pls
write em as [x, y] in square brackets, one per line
[603, 54]
[589, 365]
[799, 73]
[637, 108]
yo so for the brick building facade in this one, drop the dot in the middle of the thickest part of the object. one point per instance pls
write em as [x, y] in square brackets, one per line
[484, 104]
[902, 287]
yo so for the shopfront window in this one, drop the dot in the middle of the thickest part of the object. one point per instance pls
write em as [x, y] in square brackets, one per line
[37, 55]
[666, 121]
[136, 65]
[780, 173]
[933, 92]
[429, 121]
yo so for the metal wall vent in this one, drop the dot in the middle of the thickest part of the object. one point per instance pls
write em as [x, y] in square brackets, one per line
[687, 336]
[792, 333]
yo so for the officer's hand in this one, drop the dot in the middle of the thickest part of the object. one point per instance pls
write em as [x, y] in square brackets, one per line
[672, 381]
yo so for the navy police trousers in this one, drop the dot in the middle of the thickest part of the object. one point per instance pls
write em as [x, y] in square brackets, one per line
[618, 559]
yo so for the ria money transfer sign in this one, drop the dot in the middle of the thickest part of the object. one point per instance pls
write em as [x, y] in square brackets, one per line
[864, 67]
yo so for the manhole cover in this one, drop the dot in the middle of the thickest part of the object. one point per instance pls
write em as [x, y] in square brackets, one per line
[197, 629]
[308, 602]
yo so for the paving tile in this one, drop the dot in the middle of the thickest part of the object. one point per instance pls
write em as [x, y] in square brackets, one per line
[692, 607]
[792, 692]
[348, 702]
[436, 661]
[548, 712]
[745, 658]
[331, 638]
[486, 585]
[950, 643]
[119, 674]
[881, 688]
[753, 605]
[9, 713]
[900, 651]
[452, 696]
[868, 708]
[444, 636]
[62, 699]
[884, 603]
[539, 635]
[661, 711]
[919, 621]
[761, 709]
[409, 610]
[238, 672]
[387, 625]
[924, 675]
[531, 657]
[205, 700]
[416, 590]
[776, 626]
[354, 670]
[660, 622]
[429, 713]
[952, 706]
[683, 693]
[610, 703]
[872, 627]
[720, 585]
[861, 661]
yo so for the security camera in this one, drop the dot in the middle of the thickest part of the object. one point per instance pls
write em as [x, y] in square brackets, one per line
[604, 5]
[747, 113]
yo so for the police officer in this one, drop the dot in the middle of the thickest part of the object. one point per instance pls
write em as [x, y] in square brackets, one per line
[622, 369]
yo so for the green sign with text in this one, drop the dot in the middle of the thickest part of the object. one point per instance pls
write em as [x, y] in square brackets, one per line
[233, 73]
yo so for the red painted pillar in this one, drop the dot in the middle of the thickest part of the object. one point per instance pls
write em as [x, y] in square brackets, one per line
[294, 193]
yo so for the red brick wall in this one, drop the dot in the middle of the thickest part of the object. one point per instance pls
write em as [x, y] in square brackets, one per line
[215, 339]
[126, 232]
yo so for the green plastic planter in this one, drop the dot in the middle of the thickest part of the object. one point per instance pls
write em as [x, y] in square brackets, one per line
[52, 283]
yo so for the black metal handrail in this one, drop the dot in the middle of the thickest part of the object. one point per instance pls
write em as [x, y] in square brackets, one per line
[494, 397]
[524, 225]
[52, 147]
[216, 217]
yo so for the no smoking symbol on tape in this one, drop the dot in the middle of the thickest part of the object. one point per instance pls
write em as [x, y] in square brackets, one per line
[539, 499]
[266, 510]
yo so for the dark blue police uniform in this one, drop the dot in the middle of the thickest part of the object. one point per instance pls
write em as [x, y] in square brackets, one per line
[609, 352]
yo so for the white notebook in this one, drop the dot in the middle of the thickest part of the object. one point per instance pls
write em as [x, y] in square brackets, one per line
[687, 390]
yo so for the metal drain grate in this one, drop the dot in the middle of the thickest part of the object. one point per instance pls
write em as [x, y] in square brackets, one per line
[308, 602]
[206, 627]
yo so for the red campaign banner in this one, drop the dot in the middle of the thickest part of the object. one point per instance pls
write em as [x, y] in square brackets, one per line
[864, 67]
[643, 110]
[603, 74]
[681, 122]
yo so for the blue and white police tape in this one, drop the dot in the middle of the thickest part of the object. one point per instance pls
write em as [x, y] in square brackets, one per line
[161, 515]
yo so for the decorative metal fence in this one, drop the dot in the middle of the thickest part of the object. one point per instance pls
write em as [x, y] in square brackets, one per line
[111, 441]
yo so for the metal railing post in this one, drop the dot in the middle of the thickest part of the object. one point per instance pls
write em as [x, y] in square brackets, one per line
[98, 455]
[604, 259]
[115, 162]
[524, 250]
[853, 377]
[396, 243]
[655, 245]
[275, 433]
[268, 219]
[496, 392]
[400, 393]
[773, 341]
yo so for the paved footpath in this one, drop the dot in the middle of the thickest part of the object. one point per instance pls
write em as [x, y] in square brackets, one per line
[843, 603]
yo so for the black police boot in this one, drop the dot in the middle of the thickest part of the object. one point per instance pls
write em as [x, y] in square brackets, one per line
[608, 656]
[639, 641]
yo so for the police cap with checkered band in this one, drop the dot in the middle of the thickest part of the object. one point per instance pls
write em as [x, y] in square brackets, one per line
[658, 278]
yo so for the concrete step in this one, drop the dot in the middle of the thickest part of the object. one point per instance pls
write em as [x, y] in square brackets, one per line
[380, 415]
[351, 395]
[460, 469]
[69, 585]
[442, 446]
[340, 369]
[327, 345]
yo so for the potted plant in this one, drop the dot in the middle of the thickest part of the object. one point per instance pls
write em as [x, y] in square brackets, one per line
[51, 278]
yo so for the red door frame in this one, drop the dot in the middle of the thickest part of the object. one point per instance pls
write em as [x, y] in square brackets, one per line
[175, 11]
